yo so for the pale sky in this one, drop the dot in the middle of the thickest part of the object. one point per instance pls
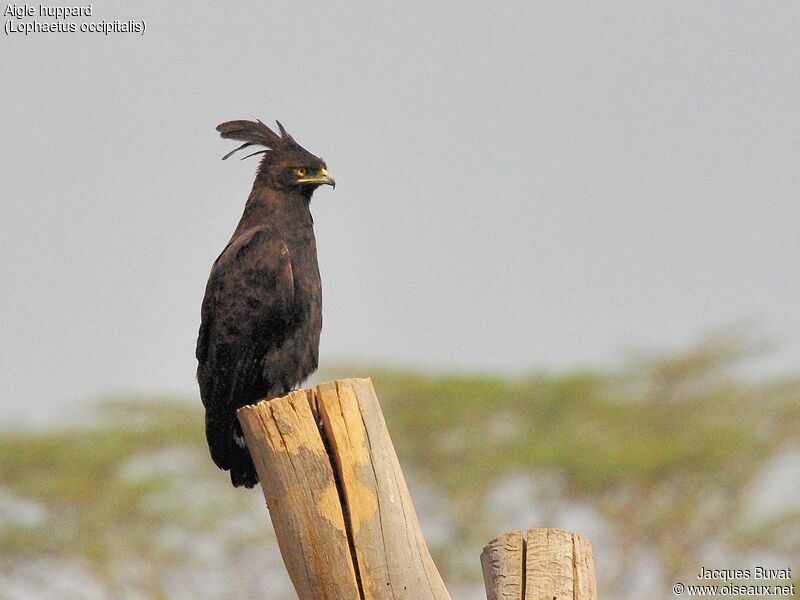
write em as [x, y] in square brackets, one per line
[520, 187]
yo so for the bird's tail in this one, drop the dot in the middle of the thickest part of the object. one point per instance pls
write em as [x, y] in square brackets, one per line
[242, 471]
[228, 449]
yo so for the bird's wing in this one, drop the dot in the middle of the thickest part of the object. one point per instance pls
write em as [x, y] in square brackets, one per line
[251, 285]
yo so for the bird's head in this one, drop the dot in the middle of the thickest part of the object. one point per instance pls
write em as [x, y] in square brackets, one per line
[285, 164]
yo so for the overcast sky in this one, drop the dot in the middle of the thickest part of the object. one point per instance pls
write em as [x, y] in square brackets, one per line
[519, 186]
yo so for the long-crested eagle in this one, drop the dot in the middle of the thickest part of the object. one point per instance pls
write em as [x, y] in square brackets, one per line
[262, 310]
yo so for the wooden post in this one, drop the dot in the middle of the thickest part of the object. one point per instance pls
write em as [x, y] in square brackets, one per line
[551, 565]
[337, 497]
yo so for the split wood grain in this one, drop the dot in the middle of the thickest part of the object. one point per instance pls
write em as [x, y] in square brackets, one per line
[550, 565]
[502, 560]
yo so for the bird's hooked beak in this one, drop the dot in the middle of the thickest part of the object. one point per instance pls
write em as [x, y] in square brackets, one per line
[321, 177]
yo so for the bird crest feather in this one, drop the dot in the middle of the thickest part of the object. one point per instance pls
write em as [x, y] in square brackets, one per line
[254, 133]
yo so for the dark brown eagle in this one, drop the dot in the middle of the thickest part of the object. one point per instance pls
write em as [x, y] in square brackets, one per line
[262, 311]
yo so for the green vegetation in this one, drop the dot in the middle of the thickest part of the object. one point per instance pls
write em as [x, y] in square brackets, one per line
[665, 459]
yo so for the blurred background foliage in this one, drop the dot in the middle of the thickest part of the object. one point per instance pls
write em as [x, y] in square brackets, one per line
[671, 464]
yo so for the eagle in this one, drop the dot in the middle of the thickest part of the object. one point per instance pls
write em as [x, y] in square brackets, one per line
[261, 315]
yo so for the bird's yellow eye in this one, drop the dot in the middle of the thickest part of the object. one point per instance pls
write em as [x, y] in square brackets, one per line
[300, 172]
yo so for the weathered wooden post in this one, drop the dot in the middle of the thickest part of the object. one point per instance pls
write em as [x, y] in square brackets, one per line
[337, 497]
[343, 516]
[550, 565]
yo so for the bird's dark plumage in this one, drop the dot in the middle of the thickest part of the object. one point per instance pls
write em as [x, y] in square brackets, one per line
[262, 311]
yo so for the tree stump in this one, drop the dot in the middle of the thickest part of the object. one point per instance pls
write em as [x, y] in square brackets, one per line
[342, 513]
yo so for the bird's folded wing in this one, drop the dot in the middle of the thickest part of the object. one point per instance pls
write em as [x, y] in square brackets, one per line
[251, 284]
